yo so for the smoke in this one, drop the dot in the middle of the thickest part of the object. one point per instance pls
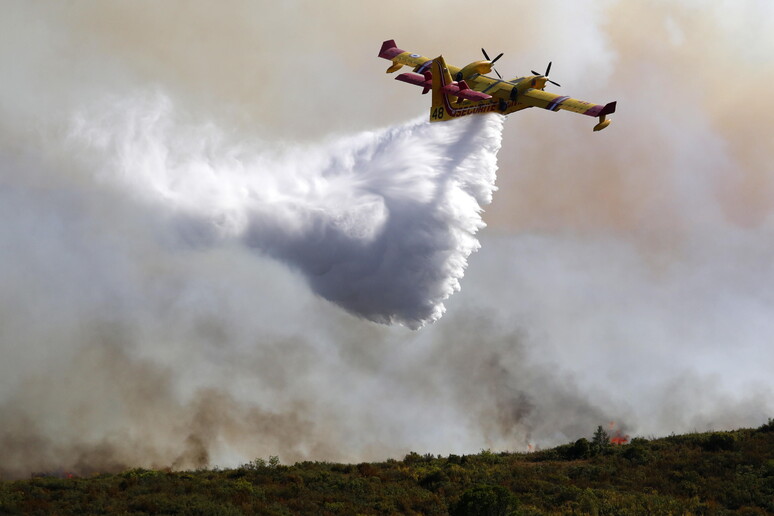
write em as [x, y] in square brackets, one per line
[136, 233]
[188, 198]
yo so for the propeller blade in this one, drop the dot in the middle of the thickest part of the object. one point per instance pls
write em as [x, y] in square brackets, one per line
[492, 61]
[548, 70]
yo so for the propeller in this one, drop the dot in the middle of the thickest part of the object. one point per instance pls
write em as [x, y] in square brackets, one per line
[492, 61]
[546, 75]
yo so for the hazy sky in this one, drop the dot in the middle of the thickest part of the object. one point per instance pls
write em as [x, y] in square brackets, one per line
[624, 275]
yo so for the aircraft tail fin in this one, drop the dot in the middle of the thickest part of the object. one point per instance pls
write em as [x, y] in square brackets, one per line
[441, 100]
[453, 99]
[389, 50]
[608, 109]
[603, 120]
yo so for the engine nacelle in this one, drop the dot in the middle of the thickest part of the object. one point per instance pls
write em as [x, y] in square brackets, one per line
[539, 83]
[476, 67]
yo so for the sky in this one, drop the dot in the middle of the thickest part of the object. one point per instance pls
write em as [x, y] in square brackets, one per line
[150, 315]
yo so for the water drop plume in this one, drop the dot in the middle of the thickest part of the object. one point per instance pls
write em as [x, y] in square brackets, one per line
[380, 223]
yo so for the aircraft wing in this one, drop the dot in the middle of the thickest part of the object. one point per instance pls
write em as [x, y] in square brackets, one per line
[399, 57]
[490, 86]
[554, 102]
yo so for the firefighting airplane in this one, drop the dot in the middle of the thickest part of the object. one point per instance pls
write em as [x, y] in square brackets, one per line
[465, 91]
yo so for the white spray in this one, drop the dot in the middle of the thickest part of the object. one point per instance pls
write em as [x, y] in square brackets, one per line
[381, 223]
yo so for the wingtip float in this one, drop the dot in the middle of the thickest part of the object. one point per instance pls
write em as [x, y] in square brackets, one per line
[466, 91]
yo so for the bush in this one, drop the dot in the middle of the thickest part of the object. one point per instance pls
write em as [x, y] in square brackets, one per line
[581, 449]
[433, 479]
[767, 427]
[486, 500]
[636, 453]
[718, 442]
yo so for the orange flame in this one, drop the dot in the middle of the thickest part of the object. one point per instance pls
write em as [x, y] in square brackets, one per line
[616, 437]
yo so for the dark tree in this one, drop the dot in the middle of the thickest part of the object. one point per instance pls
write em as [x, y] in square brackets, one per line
[580, 450]
[600, 442]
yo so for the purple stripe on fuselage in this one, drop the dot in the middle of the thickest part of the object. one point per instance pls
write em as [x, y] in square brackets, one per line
[553, 106]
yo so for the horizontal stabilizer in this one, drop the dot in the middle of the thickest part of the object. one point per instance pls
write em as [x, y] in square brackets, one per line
[425, 81]
[459, 89]
[462, 91]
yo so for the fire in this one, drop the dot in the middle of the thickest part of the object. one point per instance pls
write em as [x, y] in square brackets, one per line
[616, 436]
[59, 473]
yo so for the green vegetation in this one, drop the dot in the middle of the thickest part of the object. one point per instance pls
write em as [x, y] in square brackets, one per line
[700, 474]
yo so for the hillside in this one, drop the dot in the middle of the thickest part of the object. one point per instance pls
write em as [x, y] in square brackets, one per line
[702, 473]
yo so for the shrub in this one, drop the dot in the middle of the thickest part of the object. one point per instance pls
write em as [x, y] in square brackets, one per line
[486, 500]
[433, 479]
[718, 441]
[767, 427]
[636, 453]
[581, 449]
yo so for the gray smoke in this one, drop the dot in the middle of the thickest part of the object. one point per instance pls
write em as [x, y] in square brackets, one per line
[146, 321]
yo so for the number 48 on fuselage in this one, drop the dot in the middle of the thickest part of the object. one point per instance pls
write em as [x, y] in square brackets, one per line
[465, 91]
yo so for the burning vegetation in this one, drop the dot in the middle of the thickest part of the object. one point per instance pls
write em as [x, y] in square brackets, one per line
[706, 473]
[617, 437]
